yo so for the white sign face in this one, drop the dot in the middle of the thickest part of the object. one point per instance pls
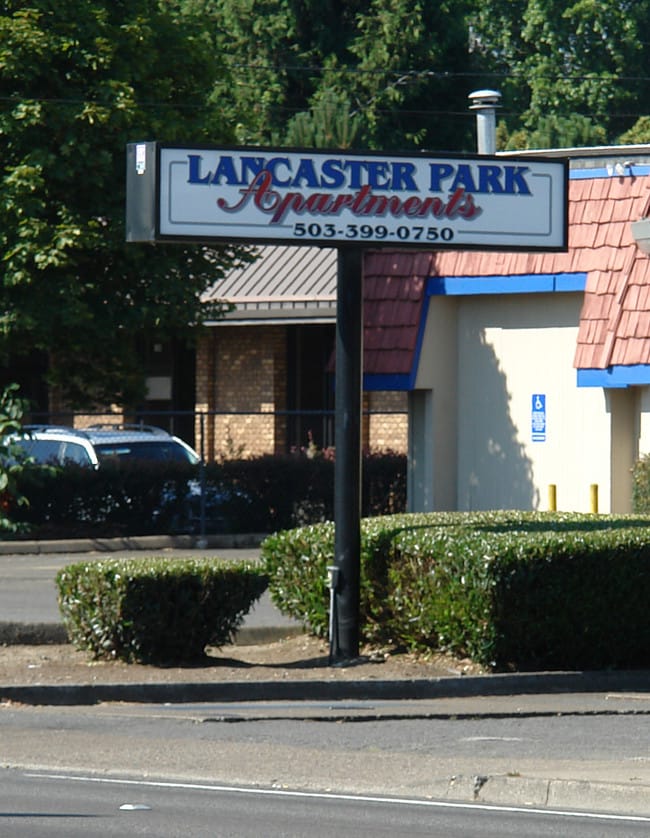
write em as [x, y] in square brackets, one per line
[307, 197]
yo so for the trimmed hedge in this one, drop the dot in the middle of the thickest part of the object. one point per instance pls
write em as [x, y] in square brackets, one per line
[111, 501]
[156, 610]
[509, 590]
[296, 562]
[641, 485]
[261, 495]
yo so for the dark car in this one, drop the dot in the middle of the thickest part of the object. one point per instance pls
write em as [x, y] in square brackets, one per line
[97, 444]
[196, 508]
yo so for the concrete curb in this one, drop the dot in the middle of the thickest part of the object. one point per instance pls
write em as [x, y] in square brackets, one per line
[32, 634]
[629, 799]
[325, 690]
[48, 634]
[499, 684]
[625, 798]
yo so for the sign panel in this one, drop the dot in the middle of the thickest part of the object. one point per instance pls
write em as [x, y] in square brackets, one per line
[339, 197]
[538, 418]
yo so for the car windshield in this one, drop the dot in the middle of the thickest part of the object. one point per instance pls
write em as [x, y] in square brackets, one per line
[157, 451]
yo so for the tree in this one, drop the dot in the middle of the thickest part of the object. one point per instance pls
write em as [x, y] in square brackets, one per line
[78, 80]
[581, 61]
[555, 132]
[638, 133]
[358, 73]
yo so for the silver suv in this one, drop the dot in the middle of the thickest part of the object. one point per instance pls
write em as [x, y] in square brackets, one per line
[98, 444]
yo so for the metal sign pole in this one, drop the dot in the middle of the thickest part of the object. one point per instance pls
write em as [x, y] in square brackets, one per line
[344, 640]
[347, 200]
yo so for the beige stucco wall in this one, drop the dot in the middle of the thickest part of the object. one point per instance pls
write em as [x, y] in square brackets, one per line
[433, 414]
[507, 348]
[643, 396]
[623, 406]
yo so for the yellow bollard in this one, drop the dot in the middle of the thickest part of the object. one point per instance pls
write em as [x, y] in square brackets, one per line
[593, 497]
[552, 497]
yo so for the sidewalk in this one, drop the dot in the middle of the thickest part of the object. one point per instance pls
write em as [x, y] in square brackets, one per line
[604, 785]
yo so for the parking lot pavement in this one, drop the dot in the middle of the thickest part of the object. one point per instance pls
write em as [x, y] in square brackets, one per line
[28, 599]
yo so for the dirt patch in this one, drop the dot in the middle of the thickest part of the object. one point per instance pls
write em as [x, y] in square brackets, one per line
[299, 657]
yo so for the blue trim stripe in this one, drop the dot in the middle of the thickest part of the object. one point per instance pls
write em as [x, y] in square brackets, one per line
[513, 284]
[615, 377]
[635, 170]
[466, 286]
[387, 382]
[402, 381]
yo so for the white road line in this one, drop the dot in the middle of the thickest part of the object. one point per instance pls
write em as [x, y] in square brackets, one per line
[314, 795]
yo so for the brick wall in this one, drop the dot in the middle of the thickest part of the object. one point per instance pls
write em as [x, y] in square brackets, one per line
[242, 374]
[387, 431]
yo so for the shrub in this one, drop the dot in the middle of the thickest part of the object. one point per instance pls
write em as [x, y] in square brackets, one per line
[155, 610]
[129, 499]
[12, 459]
[641, 485]
[510, 590]
[263, 494]
[529, 597]
[296, 562]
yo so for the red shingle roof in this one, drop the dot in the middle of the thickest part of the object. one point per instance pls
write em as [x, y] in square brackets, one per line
[394, 284]
[615, 318]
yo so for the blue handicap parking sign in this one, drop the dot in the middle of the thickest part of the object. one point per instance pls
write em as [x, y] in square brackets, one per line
[538, 417]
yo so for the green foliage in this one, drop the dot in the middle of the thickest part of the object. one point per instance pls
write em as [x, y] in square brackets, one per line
[396, 75]
[258, 495]
[363, 73]
[75, 502]
[588, 57]
[638, 133]
[155, 610]
[641, 485]
[511, 590]
[558, 132]
[293, 490]
[12, 459]
[296, 562]
[529, 593]
[78, 81]
[328, 124]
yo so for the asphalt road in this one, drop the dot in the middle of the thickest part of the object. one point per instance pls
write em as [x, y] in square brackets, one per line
[582, 751]
[28, 592]
[371, 748]
[38, 803]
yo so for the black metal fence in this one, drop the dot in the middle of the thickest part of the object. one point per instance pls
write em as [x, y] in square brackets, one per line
[236, 433]
[258, 494]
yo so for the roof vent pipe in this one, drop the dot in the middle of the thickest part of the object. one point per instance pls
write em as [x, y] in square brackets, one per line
[485, 103]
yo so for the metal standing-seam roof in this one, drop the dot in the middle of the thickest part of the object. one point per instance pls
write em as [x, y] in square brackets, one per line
[296, 284]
